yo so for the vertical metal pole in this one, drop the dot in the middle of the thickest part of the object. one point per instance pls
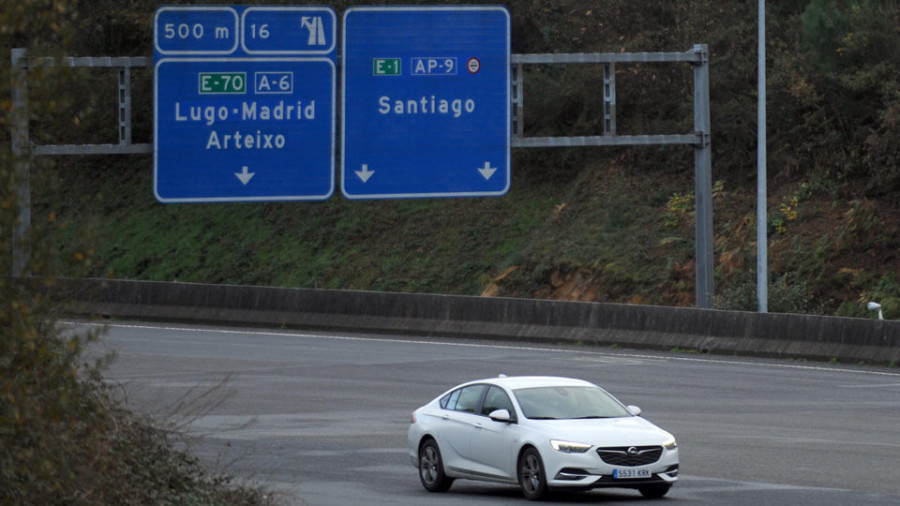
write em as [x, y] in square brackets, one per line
[21, 155]
[519, 99]
[609, 98]
[705, 278]
[762, 224]
[125, 105]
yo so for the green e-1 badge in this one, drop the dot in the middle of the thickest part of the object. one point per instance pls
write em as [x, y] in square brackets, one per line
[386, 66]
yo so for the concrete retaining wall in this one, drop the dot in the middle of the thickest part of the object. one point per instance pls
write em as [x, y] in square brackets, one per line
[528, 320]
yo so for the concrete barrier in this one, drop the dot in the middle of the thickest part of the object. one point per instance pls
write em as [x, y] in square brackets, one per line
[522, 320]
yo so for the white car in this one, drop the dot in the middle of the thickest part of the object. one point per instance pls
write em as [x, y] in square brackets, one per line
[542, 433]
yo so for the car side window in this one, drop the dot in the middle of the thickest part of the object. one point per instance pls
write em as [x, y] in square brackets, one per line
[496, 399]
[449, 401]
[468, 398]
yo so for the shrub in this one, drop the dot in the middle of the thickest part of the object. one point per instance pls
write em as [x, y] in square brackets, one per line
[786, 294]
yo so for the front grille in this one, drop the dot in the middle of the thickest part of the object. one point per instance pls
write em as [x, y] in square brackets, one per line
[630, 456]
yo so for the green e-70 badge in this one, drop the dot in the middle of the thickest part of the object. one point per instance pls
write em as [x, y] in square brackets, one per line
[223, 82]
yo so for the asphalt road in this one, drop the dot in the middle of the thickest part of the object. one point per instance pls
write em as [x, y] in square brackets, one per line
[321, 418]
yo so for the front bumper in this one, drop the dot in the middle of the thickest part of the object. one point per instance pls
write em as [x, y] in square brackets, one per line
[587, 470]
[581, 479]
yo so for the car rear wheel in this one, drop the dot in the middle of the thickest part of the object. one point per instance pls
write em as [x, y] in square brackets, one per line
[431, 468]
[654, 491]
[531, 475]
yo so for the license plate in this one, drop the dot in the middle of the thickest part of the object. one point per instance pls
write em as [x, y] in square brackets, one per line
[630, 474]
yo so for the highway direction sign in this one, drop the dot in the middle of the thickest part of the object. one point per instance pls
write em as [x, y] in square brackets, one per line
[196, 30]
[425, 102]
[289, 30]
[244, 103]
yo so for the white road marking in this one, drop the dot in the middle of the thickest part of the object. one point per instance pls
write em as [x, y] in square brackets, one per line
[306, 335]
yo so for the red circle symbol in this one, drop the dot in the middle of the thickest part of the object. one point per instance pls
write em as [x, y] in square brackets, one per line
[474, 65]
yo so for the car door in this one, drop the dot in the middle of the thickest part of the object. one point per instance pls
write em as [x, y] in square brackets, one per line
[458, 422]
[492, 443]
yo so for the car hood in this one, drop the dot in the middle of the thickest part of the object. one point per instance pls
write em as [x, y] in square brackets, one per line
[628, 430]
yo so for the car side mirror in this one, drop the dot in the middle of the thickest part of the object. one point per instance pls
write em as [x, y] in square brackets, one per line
[501, 415]
[636, 411]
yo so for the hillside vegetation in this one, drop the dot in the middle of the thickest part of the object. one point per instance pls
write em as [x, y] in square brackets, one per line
[579, 224]
[65, 435]
[599, 224]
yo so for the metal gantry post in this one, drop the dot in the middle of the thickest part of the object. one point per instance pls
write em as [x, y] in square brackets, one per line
[23, 149]
[518, 99]
[125, 105]
[705, 274]
[21, 156]
[609, 98]
[698, 56]
[762, 231]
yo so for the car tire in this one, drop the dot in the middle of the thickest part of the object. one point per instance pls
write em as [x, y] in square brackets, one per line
[654, 491]
[532, 477]
[431, 468]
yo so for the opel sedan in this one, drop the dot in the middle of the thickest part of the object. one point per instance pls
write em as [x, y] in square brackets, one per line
[542, 434]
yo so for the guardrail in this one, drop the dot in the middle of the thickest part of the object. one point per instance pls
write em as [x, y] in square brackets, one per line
[521, 320]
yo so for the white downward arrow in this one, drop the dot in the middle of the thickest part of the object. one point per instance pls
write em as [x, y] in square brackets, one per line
[245, 176]
[365, 173]
[487, 171]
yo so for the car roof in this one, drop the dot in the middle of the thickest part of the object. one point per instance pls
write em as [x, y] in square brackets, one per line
[517, 382]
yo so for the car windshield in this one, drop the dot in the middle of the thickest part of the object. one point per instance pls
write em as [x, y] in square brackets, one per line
[568, 402]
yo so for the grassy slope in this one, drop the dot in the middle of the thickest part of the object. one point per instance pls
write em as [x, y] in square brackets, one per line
[605, 221]
[607, 232]
[586, 224]
[427, 246]
[589, 224]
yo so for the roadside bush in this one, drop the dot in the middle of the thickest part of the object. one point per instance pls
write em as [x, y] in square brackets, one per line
[63, 439]
[787, 294]
[885, 292]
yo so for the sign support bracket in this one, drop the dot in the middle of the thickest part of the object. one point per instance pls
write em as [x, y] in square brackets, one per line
[698, 57]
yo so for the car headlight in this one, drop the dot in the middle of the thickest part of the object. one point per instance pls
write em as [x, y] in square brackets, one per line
[569, 446]
[670, 444]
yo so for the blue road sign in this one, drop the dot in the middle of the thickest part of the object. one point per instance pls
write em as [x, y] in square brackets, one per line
[245, 113]
[196, 30]
[426, 102]
[289, 30]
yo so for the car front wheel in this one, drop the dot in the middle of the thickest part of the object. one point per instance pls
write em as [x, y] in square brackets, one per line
[531, 475]
[431, 468]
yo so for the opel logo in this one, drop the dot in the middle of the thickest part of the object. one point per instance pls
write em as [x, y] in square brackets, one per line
[632, 452]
